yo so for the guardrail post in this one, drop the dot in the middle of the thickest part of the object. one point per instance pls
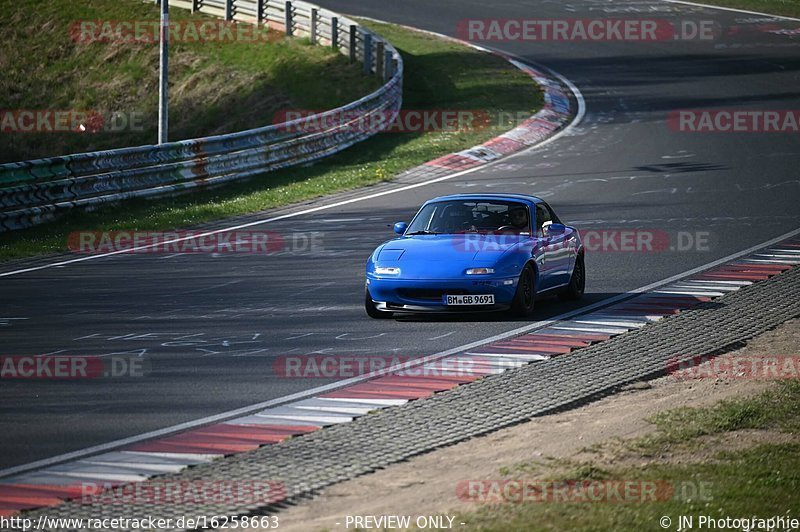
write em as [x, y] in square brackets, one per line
[388, 61]
[353, 42]
[139, 170]
[314, 17]
[379, 51]
[367, 53]
[288, 14]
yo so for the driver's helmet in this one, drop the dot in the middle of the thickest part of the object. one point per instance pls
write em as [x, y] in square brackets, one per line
[518, 216]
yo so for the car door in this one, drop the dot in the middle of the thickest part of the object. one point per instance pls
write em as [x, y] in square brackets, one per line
[558, 250]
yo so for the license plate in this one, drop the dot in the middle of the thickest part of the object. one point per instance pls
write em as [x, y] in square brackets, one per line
[484, 299]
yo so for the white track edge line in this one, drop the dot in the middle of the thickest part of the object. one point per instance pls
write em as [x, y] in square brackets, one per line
[309, 393]
[226, 416]
[581, 112]
[731, 9]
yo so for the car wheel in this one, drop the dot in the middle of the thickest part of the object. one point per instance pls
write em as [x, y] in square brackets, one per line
[372, 310]
[577, 282]
[525, 296]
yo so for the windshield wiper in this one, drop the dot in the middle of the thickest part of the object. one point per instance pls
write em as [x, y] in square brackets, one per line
[423, 232]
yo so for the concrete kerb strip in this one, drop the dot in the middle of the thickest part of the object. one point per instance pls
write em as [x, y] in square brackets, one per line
[40, 189]
[657, 372]
[348, 405]
[533, 134]
[553, 93]
[549, 82]
[599, 305]
[343, 451]
[584, 310]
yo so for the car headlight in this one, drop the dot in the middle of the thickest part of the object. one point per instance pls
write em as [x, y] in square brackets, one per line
[480, 271]
[383, 270]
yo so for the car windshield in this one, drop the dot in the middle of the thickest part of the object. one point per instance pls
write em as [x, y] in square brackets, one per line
[480, 216]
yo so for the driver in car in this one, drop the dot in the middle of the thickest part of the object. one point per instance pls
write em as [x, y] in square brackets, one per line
[519, 218]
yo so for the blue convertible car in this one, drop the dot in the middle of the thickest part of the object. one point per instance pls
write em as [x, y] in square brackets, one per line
[475, 252]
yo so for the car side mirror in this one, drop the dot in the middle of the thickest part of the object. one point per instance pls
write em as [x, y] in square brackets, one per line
[400, 227]
[554, 229]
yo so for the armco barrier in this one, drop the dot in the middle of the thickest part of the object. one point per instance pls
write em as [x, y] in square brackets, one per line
[33, 192]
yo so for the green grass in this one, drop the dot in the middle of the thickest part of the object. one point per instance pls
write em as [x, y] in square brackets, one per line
[439, 75]
[215, 87]
[762, 481]
[759, 481]
[777, 408]
[789, 8]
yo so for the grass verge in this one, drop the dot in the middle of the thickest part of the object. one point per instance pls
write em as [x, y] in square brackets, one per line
[775, 409]
[761, 480]
[439, 75]
[53, 59]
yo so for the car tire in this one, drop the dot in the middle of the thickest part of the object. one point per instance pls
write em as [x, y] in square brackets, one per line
[372, 310]
[525, 296]
[577, 283]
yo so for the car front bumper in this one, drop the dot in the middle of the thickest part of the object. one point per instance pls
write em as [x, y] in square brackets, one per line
[425, 295]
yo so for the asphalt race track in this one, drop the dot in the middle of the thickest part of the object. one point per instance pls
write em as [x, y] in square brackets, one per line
[209, 327]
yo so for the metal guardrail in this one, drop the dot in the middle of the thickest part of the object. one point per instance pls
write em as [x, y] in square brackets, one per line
[36, 191]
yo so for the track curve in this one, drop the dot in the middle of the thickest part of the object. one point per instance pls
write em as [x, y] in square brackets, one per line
[211, 326]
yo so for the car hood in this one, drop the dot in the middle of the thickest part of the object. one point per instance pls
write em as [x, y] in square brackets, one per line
[445, 255]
